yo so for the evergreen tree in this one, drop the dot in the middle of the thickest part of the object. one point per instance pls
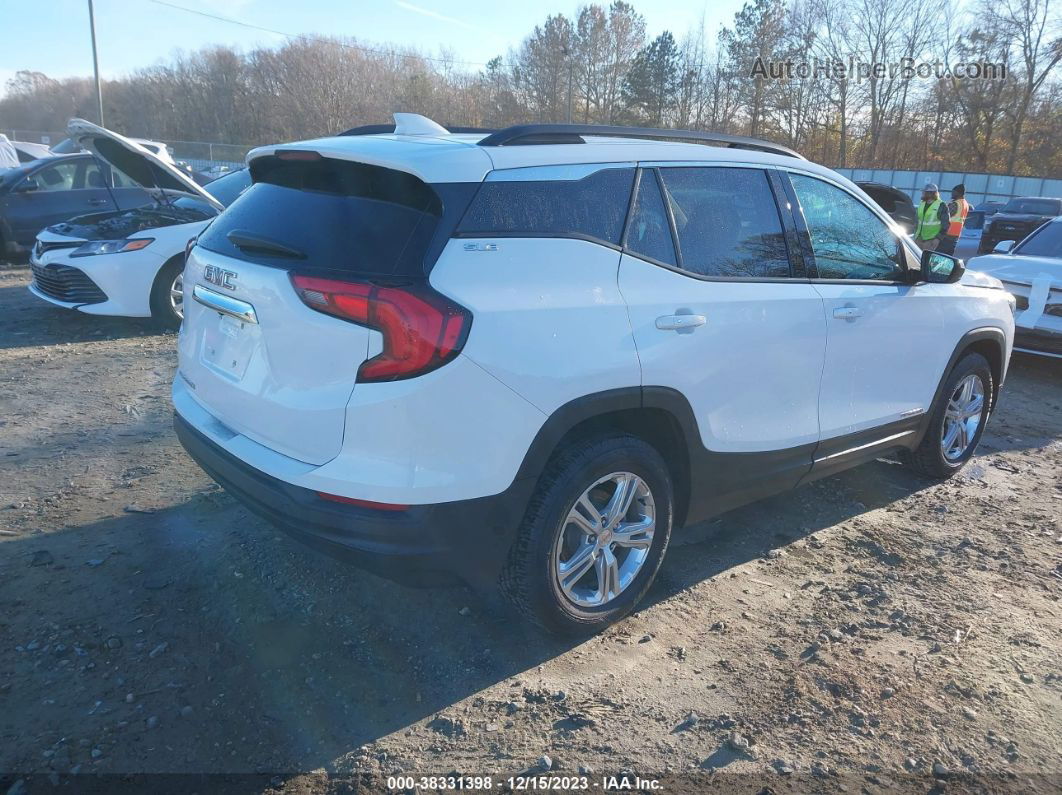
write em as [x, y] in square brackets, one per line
[653, 81]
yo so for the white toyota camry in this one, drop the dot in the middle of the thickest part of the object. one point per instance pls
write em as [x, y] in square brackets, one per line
[129, 262]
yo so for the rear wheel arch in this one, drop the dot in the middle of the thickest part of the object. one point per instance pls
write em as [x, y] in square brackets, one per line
[659, 416]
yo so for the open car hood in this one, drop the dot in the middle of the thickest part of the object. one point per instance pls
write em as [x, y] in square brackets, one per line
[8, 155]
[132, 159]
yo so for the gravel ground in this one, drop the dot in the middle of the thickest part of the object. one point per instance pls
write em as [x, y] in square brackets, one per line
[868, 631]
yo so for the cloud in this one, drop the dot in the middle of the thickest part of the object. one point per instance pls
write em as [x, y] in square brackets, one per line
[427, 12]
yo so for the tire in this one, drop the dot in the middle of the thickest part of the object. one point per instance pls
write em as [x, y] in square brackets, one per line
[929, 458]
[163, 310]
[549, 539]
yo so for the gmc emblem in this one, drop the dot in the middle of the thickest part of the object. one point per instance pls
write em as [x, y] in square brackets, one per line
[219, 276]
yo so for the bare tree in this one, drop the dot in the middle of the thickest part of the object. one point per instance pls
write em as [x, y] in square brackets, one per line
[320, 85]
[1034, 30]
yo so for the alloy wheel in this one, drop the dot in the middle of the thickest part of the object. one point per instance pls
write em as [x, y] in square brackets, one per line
[605, 540]
[962, 417]
[177, 295]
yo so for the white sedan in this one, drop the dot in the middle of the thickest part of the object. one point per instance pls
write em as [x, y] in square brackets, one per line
[1032, 272]
[129, 262]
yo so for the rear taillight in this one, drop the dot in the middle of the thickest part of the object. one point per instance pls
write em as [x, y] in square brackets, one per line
[421, 329]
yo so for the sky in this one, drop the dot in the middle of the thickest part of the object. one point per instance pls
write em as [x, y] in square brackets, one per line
[132, 34]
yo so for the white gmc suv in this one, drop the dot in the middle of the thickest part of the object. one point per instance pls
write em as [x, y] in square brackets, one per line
[522, 358]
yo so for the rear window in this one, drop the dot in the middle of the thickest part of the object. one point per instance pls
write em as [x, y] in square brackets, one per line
[1045, 242]
[226, 189]
[329, 214]
[592, 207]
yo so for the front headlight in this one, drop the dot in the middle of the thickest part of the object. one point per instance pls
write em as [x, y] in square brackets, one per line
[111, 246]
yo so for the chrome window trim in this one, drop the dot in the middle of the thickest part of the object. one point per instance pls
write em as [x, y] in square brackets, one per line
[703, 164]
[569, 172]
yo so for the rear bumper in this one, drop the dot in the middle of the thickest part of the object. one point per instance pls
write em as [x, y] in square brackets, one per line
[424, 545]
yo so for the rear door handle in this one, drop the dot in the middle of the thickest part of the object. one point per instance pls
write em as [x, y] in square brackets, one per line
[680, 322]
[849, 313]
[99, 201]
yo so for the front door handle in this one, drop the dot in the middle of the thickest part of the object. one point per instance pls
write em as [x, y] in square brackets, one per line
[680, 322]
[849, 313]
[99, 201]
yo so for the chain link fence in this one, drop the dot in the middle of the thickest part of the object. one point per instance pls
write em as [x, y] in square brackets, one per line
[980, 187]
[200, 155]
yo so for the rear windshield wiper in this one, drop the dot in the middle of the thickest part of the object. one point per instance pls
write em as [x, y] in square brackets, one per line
[251, 243]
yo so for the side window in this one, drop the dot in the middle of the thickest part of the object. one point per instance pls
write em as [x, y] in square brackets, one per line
[57, 177]
[510, 204]
[727, 222]
[119, 179]
[649, 231]
[95, 177]
[849, 241]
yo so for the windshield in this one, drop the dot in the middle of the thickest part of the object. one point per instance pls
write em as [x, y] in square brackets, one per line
[188, 202]
[226, 189]
[1044, 242]
[1033, 206]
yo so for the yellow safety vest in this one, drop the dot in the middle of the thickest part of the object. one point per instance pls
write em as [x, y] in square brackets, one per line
[958, 218]
[928, 221]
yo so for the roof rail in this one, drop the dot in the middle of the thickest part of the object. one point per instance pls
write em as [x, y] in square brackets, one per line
[530, 134]
[387, 129]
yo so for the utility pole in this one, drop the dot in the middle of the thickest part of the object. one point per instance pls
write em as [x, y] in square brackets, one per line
[96, 63]
[567, 53]
[571, 67]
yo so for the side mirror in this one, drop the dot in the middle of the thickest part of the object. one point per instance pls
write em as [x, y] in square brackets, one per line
[27, 185]
[940, 268]
[1003, 247]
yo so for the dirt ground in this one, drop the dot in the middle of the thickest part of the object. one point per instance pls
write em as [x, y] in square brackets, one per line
[869, 631]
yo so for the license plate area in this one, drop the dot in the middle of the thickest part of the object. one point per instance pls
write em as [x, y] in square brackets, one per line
[228, 345]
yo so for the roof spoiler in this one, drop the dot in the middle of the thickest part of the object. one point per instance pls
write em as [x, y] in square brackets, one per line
[387, 129]
[412, 124]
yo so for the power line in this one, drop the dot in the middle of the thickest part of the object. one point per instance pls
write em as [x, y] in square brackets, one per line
[359, 48]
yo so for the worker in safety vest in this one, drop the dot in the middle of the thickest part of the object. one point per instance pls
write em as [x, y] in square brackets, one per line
[958, 209]
[933, 219]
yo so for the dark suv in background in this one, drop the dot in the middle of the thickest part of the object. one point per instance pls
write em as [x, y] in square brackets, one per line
[1018, 219]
